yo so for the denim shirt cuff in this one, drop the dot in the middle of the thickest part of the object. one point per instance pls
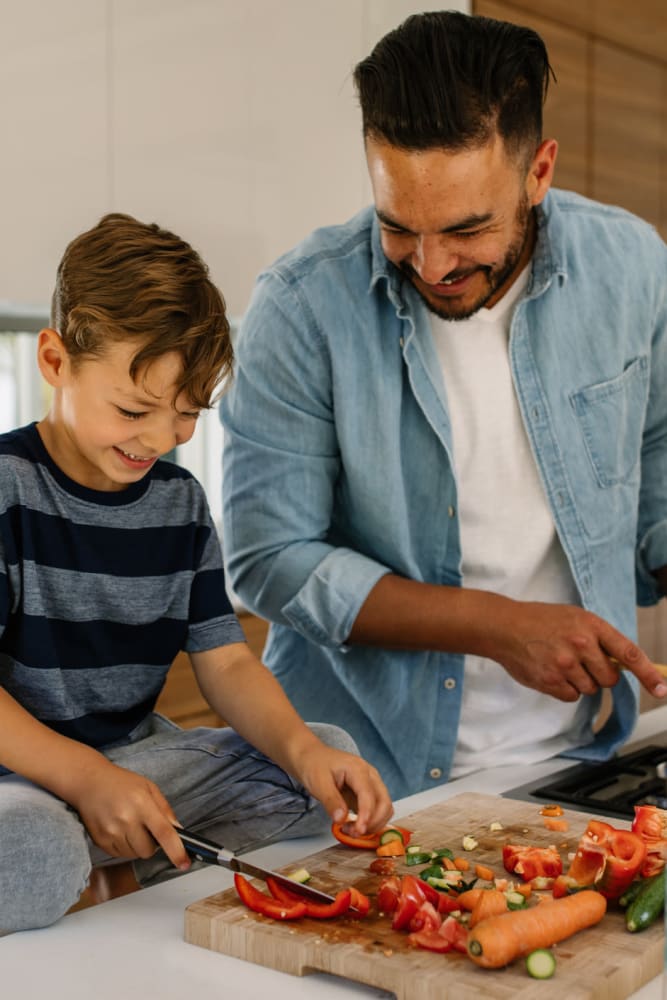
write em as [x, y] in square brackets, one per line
[325, 608]
[652, 555]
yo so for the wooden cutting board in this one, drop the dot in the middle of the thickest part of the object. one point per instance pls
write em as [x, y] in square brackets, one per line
[605, 962]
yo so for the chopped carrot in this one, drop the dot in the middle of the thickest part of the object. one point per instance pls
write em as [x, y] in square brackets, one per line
[481, 871]
[491, 903]
[497, 941]
[559, 825]
[451, 866]
[461, 864]
[392, 849]
[525, 888]
[552, 810]
[469, 897]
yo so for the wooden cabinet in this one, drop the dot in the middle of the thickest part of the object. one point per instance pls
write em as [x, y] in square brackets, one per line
[608, 109]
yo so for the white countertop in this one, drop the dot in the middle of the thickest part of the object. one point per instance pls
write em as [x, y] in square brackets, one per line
[133, 948]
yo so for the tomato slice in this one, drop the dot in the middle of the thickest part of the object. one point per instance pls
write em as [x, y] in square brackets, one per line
[447, 903]
[418, 889]
[426, 918]
[389, 894]
[407, 907]
[430, 940]
[455, 933]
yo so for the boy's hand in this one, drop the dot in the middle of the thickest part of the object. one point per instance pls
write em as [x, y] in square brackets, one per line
[342, 781]
[126, 814]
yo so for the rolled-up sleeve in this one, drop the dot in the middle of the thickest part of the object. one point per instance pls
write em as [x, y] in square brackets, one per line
[280, 470]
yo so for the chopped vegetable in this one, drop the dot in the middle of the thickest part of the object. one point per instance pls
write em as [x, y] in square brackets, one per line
[391, 834]
[417, 857]
[532, 862]
[490, 903]
[496, 825]
[391, 849]
[359, 902]
[558, 825]
[469, 843]
[341, 904]
[551, 810]
[650, 823]
[382, 866]
[462, 864]
[259, 902]
[541, 963]
[606, 859]
[497, 941]
[301, 875]
[368, 840]
[481, 871]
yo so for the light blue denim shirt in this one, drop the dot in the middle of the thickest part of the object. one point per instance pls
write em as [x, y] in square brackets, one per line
[338, 462]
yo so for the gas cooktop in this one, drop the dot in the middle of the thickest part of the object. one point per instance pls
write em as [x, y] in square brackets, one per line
[613, 788]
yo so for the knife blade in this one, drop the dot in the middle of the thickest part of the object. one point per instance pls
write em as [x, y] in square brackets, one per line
[211, 853]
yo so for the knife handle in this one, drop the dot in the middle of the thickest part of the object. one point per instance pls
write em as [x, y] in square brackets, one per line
[203, 849]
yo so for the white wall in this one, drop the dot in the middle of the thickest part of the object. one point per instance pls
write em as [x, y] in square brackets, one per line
[232, 122]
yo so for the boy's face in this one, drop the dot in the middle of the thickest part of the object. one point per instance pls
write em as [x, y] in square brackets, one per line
[104, 430]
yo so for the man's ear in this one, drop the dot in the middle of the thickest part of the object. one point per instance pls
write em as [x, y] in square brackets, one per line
[541, 171]
[52, 358]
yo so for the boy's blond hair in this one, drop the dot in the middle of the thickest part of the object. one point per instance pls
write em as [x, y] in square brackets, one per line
[124, 279]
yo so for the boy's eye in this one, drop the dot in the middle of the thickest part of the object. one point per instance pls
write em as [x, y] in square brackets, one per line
[130, 414]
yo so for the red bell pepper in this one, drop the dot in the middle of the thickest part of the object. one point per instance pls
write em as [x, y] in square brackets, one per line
[367, 840]
[259, 902]
[532, 862]
[650, 823]
[341, 903]
[606, 859]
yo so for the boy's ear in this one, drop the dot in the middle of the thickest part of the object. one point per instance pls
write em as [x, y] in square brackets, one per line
[52, 357]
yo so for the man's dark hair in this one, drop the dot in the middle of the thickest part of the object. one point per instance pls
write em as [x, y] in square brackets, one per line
[449, 80]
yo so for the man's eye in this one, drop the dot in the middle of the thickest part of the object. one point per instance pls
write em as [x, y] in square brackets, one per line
[467, 233]
[130, 414]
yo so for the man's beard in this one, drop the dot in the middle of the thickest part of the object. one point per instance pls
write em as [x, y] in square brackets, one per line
[496, 276]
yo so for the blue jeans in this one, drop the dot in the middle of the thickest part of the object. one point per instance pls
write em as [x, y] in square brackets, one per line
[216, 783]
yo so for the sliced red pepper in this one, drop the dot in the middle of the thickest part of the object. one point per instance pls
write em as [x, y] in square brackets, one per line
[341, 904]
[367, 841]
[606, 859]
[650, 823]
[532, 862]
[359, 902]
[259, 902]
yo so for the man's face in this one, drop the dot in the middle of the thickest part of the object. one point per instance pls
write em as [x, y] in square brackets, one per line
[458, 224]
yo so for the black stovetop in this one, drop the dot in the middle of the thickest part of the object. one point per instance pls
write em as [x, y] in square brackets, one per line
[613, 788]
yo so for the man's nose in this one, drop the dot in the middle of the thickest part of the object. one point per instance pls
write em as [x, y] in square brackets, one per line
[432, 260]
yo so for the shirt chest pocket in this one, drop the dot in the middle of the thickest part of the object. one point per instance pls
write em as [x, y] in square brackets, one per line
[611, 417]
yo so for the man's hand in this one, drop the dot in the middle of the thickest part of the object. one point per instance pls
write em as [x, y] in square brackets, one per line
[566, 651]
[126, 814]
[343, 782]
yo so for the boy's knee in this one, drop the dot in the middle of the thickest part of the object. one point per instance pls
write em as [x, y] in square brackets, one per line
[334, 736]
[44, 863]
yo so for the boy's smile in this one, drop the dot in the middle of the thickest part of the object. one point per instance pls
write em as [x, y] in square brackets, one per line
[104, 430]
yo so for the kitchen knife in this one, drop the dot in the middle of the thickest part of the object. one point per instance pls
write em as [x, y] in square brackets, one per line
[208, 851]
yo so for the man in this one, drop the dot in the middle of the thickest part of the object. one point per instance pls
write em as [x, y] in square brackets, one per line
[446, 463]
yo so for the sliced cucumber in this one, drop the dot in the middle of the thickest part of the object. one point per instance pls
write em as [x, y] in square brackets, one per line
[417, 858]
[390, 835]
[301, 875]
[515, 900]
[541, 963]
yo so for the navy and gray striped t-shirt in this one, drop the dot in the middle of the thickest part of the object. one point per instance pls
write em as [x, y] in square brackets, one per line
[99, 591]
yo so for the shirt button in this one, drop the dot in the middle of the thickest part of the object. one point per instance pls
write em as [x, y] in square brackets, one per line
[450, 683]
[451, 511]
[435, 772]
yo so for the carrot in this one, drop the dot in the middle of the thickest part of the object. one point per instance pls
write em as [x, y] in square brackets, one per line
[559, 825]
[491, 903]
[449, 865]
[392, 849]
[462, 864]
[497, 941]
[552, 810]
[469, 897]
[525, 888]
[481, 871]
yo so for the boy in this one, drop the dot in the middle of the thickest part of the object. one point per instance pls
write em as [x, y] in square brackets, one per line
[109, 565]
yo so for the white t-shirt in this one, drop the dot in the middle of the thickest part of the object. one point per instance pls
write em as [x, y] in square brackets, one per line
[508, 539]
